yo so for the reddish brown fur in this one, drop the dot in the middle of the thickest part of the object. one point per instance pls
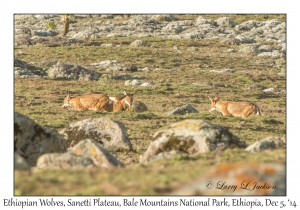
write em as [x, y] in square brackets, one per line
[95, 102]
[236, 109]
[99, 102]
[121, 102]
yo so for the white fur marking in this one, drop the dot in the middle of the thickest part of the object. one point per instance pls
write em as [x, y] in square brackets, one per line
[127, 103]
[213, 109]
[66, 105]
[112, 99]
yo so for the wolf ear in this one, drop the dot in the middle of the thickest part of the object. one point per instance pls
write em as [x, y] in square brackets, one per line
[216, 98]
[210, 99]
[132, 93]
[68, 96]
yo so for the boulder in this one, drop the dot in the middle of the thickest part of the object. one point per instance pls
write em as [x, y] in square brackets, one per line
[69, 71]
[250, 48]
[32, 140]
[110, 134]
[201, 21]
[20, 63]
[188, 108]
[223, 71]
[246, 26]
[269, 90]
[138, 43]
[245, 39]
[274, 54]
[20, 163]
[191, 136]
[270, 142]
[225, 22]
[63, 161]
[139, 107]
[239, 179]
[266, 48]
[134, 82]
[101, 157]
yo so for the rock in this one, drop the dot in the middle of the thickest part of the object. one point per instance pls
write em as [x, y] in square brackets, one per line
[265, 48]
[146, 69]
[48, 16]
[100, 156]
[45, 33]
[20, 63]
[173, 27]
[106, 45]
[188, 108]
[164, 17]
[69, 71]
[139, 107]
[231, 41]
[110, 134]
[124, 76]
[138, 43]
[130, 67]
[201, 21]
[191, 136]
[245, 39]
[134, 82]
[256, 87]
[223, 71]
[64, 161]
[105, 64]
[246, 26]
[250, 48]
[269, 90]
[225, 22]
[270, 142]
[32, 140]
[20, 163]
[239, 178]
[26, 73]
[274, 54]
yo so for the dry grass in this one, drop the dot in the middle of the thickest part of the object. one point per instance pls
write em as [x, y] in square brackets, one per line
[40, 99]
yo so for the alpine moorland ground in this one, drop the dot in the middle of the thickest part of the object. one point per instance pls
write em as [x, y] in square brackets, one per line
[182, 76]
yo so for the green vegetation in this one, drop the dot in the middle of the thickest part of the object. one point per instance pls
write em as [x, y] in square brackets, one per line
[51, 25]
[174, 72]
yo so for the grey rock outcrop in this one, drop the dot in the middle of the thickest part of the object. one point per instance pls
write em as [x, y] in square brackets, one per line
[32, 140]
[20, 163]
[101, 157]
[30, 30]
[191, 136]
[68, 71]
[274, 54]
[138, 43]
[225, 22]
[270, 142]
[188, 108]
[139, 106]
[86, 154]
[110, 134]
[63, 161]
